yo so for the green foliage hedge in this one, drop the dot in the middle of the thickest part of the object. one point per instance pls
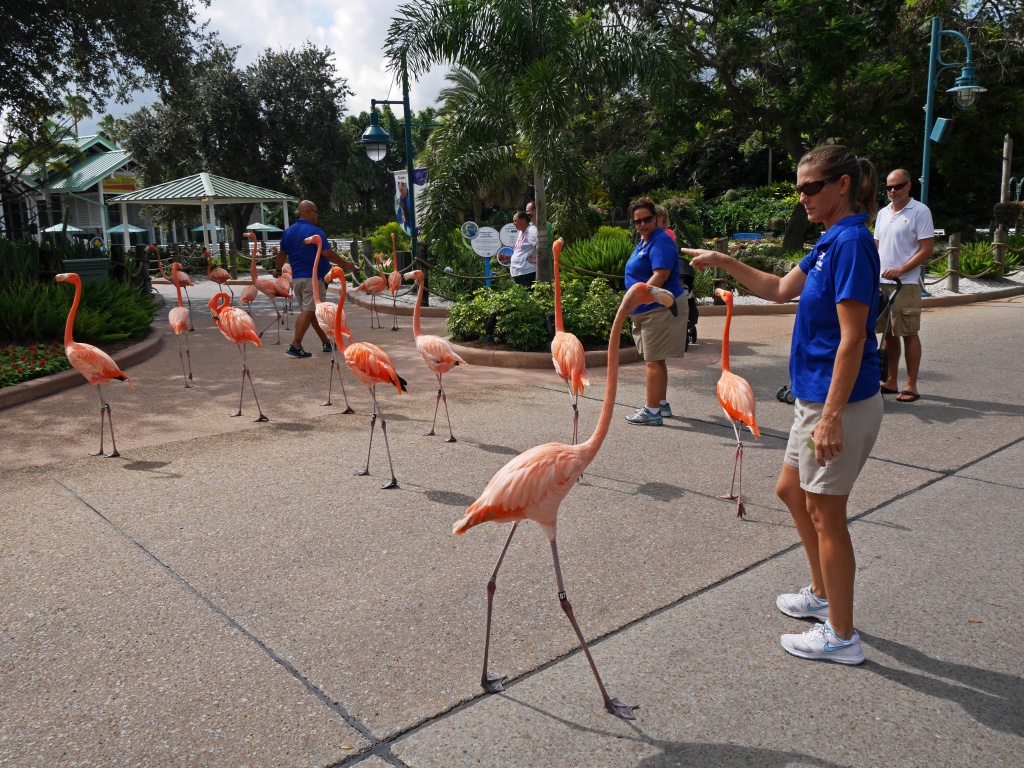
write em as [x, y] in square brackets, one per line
[109, 312]
[520, 315]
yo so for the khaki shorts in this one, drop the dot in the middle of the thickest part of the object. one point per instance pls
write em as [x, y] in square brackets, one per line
[861, 421]
[659, 335]
[302, 292]
[906, 312]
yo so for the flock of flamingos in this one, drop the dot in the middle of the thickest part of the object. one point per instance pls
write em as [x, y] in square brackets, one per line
[530, 486]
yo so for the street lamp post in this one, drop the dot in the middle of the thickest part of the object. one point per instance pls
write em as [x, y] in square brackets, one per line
[965, 92]
[376, 140]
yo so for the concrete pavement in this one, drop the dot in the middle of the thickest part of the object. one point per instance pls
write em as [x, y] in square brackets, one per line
[230, 593]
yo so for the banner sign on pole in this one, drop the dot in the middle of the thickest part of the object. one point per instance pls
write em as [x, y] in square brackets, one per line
[419, 176]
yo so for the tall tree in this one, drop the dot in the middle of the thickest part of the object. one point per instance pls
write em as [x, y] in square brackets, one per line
[545, 56]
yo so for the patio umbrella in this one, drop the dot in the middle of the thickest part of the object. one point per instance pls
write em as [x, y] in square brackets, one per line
[119, 229]
[257, 227]
[59, 227]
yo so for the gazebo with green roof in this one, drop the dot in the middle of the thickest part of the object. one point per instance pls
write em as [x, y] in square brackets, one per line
[204, 190]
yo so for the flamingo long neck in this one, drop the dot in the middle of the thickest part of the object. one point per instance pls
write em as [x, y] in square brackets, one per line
[416, 311]
[174, 279]
[725, 336]
[254, 275]
[593, 445]
[559, 326]
[160, 266]
[339, 337]
[316, 280]
[68, 340]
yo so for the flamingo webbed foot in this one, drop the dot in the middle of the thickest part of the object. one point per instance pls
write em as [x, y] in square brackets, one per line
[97, 453]
[729, 496]
[617, 708]
[232, 415]
[431, 433]
[348, 410]
[363, 473]
[451, 439]
[392, 484]
[261, 418]
[323, 405]
[493, 683]
[113, 455]
[741, 511]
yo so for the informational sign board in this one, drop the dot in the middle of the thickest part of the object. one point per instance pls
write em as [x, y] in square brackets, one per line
[509, 235]
[487, 242]
[119, 185]
[469, 229]
[505, 256]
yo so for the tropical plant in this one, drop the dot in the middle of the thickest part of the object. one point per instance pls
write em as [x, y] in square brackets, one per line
[537, 63]
[603, 254]
[110, 311]
[18, 364]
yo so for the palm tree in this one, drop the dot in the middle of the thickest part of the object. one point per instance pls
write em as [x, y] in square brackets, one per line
[536, 63]
[112, 128]
[77, 108]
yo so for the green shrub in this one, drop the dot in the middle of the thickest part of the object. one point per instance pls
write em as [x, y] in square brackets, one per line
[109, 312]
[606, 253]
[520, 316]
[381, 238]
[18, 364]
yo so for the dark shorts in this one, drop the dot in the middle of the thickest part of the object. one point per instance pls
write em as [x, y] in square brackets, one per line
[526, 280]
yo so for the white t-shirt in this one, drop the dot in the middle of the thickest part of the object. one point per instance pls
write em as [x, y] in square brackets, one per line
[525, 247]
[898, 234]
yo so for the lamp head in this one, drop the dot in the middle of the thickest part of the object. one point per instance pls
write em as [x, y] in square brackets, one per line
[966, 88]
[375, 139]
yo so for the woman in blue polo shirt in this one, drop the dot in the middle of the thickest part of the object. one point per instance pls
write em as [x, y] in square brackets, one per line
[834, 373]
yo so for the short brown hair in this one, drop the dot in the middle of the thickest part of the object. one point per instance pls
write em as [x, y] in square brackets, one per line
[642, 202]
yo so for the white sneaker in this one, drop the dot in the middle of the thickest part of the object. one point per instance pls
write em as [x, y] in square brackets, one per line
[821, 642]
[803, 605]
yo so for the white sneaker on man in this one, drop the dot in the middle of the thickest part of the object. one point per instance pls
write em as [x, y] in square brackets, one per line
[821, 642]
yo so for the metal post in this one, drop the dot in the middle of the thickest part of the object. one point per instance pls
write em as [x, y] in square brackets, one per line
[999, 246]
[722, 246]
[953, 263]
[409, 157]
[929, 109]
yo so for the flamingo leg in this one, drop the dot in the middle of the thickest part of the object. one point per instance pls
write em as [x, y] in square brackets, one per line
[384, 429]
[616, 707]
[394, 302]
[330, 381]
[191, 325]
[188, 377]
[241, 394]
[373, 424]
[272, 322]
[737, 473]
[334, 357]
[575, 412]
[494, 683]
[444, 399]
[373, 313]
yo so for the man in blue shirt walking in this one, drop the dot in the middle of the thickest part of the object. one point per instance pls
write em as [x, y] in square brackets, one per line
[301, 254]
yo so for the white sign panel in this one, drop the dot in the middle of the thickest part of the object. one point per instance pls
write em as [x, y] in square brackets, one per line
[509, 235]
[487, 242]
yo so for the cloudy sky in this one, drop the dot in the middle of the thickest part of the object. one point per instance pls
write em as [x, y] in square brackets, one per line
[353, 29]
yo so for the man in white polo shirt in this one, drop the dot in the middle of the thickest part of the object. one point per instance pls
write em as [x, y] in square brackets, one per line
[905, 237]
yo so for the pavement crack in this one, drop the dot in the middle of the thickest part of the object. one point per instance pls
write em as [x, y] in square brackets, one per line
[277, 658]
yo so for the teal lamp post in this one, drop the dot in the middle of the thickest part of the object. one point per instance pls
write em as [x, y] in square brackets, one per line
[375, 141]
[965, 92]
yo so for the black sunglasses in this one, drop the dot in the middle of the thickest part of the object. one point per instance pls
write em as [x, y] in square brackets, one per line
[894, 187]
[644, 220]
[811, 188]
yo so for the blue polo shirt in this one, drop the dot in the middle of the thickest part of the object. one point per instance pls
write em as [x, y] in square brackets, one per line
[659, 252]
[842, 265]
[302, 254]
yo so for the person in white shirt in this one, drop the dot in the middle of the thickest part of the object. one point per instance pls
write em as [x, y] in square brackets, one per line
[905, 237]
[524, 254]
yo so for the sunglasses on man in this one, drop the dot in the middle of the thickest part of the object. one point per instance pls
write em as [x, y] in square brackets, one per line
[894, 187]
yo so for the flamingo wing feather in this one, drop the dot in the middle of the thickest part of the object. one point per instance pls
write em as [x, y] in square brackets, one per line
[570, 361]
[737, 400]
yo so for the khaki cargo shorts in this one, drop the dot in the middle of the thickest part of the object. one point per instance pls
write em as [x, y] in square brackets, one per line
[906, 312]
[302, 292]
[659, 335]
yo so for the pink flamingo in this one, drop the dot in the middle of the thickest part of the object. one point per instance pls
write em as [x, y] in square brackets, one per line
[533, 485]
[284, 283]
[372, 286]
[181, 318]
[394, 283]
[268, 288]
[239, 329]
[567, 351]
[325, 312]
[93, 363]
[372, 366]
[437, 353]
[217, 274]
[182, 280]
[736, 397]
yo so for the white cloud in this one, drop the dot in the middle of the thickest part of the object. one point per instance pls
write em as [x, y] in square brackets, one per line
[354, 29]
